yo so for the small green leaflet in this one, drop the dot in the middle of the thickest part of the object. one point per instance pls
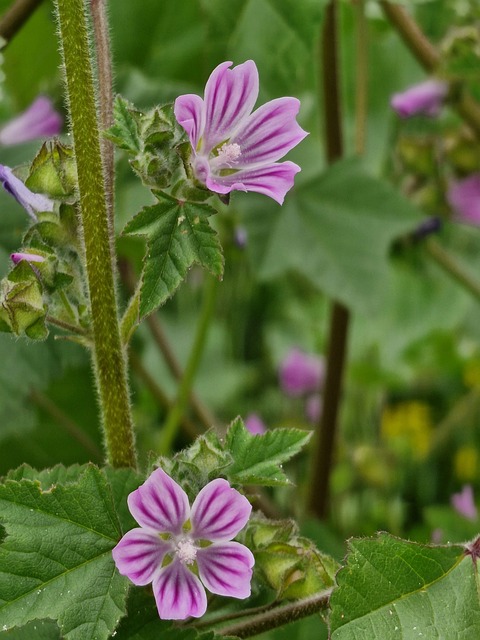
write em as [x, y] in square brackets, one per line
[55, 561]
[258, 459]
[178, 235]
[391, 588]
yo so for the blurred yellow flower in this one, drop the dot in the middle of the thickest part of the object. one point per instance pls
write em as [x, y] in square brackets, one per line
[408, 426]
[466, 463]
[471, 374]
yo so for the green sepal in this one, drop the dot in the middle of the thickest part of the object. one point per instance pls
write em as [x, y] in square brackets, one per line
[53, 171]
[22, 308]
[289, 563]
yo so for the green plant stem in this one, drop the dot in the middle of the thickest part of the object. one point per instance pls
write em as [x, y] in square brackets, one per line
[202, 412]
[278, 616]
[452, 267]
[428, 56]
[108, 355]
[325, 438]
[16, 16]
[170, 428]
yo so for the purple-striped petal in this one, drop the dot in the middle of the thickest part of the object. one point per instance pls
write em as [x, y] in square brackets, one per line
[273, 180]
[37, 121]
[159, 504]
[190, 114]
[226, 569]
[31, 202]
[269, 133]
[219, 512]
[230, 95]
[139, 555]
[179, 594]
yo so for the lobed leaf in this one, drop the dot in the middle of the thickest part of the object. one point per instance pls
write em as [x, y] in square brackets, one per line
[391, 588]
[258, 459]
[178, 235]
[55, 561]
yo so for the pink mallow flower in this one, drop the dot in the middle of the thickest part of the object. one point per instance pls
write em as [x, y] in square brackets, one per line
[181, 549]
[234, 149]
[463, 196]
[426, 98]
[301, 373]
[31, 202]
[255, 424]
[39, 120]
[464, 504]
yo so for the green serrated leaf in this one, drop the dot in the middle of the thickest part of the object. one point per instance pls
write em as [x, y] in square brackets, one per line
[178, 236]
[125, 130]
[36, 630]
[59, 474]
[56, 561]
[392, 588]
[258, 459]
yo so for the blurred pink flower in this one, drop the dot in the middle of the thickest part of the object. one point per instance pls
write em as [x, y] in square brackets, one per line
[313, 408]
[426, 98]
[464, 198]
[301, 373]
[234, 149]
[255, 424]
[180, 549]
[464, 503]
[39, 120]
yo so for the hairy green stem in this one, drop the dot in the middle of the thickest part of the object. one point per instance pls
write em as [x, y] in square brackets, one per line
[108, 355]
[16, 16]
[428, 56]
[361, 75]
[325, 438]
[170, 428]
[275, 617]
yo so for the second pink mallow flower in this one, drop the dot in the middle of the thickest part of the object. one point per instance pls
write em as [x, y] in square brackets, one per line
[464, 198]
[180, 549]
[425, 98]
[234, 149]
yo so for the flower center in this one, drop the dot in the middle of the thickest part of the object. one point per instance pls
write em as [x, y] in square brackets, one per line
[186, 550]
[228, 153]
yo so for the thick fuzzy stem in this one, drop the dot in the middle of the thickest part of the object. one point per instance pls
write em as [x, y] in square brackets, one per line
[108, 354]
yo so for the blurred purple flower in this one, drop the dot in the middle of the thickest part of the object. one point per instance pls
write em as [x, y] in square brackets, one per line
[241, 237]
[426, 98]
[234, 149]
[39, 120]
[463, 196]
[301, 373]
[464, 503]
[29, 257]
[31, 202]
[255, 424]
[313, 408]
[177, 548]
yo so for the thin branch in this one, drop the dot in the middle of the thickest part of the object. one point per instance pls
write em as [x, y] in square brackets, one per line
[278, 616]
[160, 338]
[66, 423]
[16, 16]
[452, 267]
[324, 442]
[159, 395]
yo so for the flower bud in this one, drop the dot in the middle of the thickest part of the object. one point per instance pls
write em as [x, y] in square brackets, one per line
[426, 98]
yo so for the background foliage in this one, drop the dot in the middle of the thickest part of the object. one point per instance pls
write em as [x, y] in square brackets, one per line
[409, 422]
